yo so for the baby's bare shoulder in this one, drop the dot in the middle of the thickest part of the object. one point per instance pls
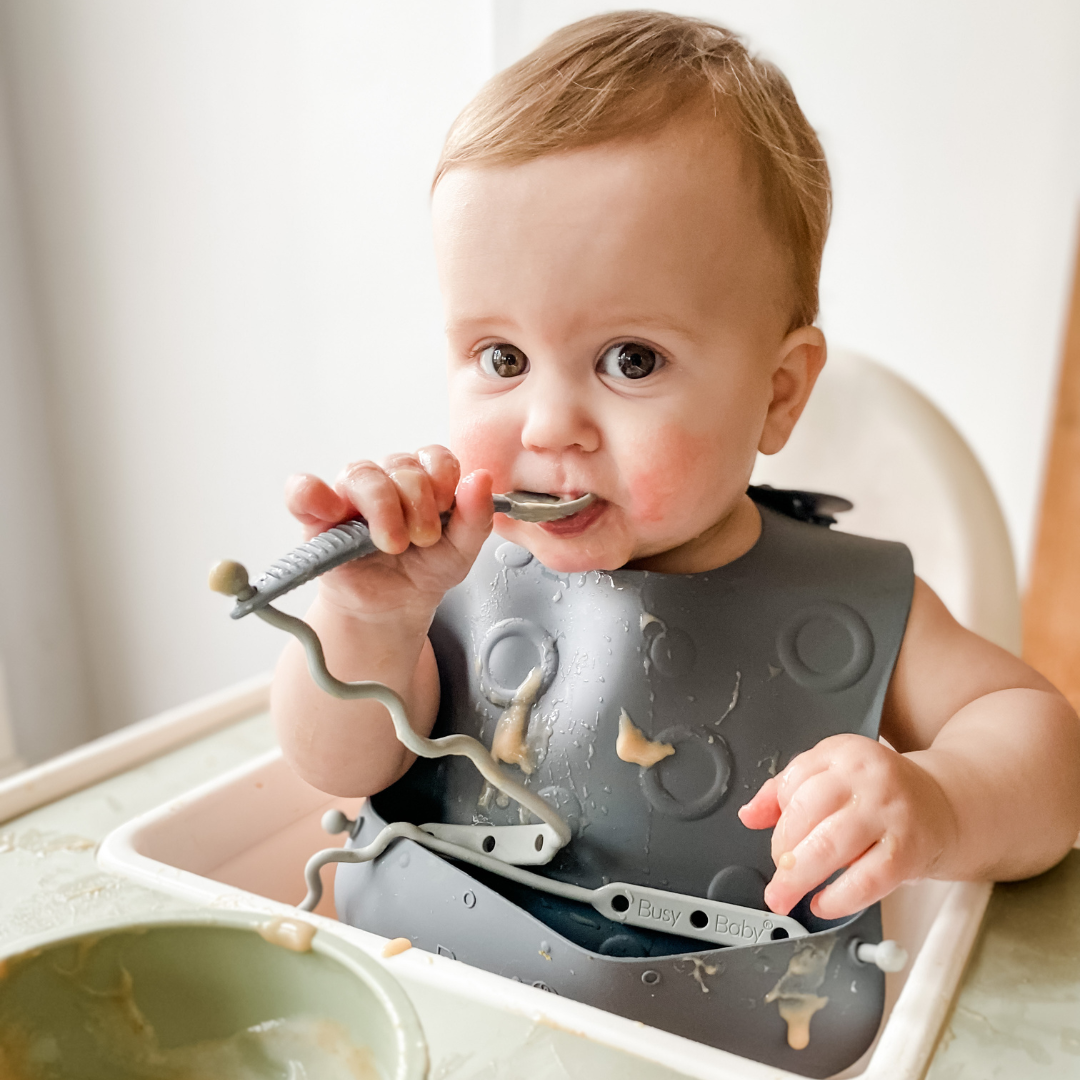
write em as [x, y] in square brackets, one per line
[942, 667]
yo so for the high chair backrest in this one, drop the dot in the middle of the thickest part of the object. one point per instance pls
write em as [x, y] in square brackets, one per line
[870, 436]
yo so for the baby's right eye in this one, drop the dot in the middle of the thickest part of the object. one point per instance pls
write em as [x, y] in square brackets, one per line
[504, 361]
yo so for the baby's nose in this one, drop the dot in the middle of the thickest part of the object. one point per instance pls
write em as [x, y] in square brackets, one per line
[558, 418]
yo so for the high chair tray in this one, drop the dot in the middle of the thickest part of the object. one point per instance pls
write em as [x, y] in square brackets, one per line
[242, 841]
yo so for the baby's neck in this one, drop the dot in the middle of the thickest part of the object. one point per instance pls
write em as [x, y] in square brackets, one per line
[722, 542]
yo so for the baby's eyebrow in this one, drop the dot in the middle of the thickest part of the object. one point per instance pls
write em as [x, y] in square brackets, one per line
[647, 322]
[626, 325]
[487, 323]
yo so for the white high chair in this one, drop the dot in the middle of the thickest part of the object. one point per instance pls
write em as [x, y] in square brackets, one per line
[870, 436]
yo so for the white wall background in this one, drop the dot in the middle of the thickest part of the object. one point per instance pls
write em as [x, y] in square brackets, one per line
[225, 208]
[42, 683]
[216, 271]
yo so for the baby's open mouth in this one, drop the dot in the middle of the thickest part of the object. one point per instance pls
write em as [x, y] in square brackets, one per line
[575, 524]
[536, 506]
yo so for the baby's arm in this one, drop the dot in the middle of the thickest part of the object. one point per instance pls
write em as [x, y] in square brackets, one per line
[373, 614]
[983, 784]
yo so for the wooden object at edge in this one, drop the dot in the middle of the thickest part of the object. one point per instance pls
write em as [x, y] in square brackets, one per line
[1052, 603]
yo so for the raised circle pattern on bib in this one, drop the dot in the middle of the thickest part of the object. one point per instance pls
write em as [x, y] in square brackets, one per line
[673, 652]
[688, 806]
[826, 647]
[514, 647]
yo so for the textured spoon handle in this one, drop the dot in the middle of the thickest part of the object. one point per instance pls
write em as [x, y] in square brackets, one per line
[341, 544]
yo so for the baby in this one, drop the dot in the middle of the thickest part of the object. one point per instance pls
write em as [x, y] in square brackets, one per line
[628, 227]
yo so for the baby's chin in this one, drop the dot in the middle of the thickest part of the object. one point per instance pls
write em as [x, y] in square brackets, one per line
[605, 550]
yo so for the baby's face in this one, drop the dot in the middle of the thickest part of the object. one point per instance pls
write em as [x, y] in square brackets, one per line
[615, 318]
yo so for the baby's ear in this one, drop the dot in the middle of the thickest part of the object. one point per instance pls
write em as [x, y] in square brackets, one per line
[798, 362]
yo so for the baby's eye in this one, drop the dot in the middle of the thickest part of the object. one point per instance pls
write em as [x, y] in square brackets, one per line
[503, 360]
[630, 360]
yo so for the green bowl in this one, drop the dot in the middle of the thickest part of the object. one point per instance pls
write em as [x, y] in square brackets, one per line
[79, 1007]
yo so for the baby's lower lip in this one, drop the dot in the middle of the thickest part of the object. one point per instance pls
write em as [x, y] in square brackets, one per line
[577, 523]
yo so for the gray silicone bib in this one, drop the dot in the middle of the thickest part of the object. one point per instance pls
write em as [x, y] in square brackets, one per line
[739, 669]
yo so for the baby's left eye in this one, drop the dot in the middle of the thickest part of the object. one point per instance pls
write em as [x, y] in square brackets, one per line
[630, 360]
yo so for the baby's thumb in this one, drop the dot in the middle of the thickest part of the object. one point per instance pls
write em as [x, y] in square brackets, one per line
[470, 523]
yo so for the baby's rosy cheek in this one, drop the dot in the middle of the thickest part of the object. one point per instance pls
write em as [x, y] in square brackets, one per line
[479, 446]
[653, 494]
[668, 479]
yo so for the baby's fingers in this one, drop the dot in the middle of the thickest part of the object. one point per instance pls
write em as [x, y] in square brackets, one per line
[833, 844]
[443, 469]
[416, 493]
[375, 496]
[763, 810]
[807, 806]
[870, 877]
[315, 504]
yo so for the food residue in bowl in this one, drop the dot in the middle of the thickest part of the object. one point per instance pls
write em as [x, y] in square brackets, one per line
[293, 934]
[123, 1045]
[396, 945]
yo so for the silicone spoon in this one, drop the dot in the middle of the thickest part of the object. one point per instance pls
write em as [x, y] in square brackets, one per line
[352, 540]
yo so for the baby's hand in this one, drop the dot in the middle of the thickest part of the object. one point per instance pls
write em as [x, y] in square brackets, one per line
[401, 500]
[849, 802]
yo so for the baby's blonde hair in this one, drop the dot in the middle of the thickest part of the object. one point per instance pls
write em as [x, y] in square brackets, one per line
[627, 73]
